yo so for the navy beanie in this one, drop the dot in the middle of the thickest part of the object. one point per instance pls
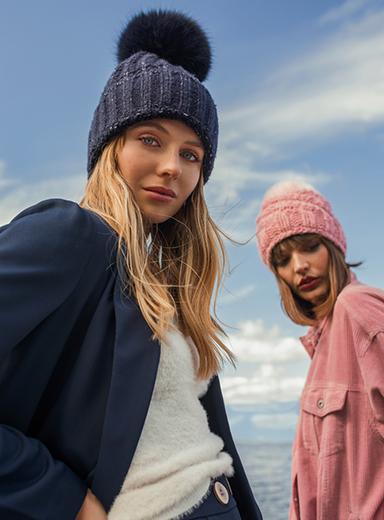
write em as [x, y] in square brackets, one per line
[163, 58]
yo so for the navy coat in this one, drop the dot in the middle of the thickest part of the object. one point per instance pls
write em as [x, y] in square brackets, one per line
[77, 368]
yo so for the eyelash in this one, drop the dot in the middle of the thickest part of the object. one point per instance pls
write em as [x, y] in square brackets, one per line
[195, 157]
[312, 247]
[146, 138]
[282, 262]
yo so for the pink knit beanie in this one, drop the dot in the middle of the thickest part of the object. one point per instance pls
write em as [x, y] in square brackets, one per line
[291, 208]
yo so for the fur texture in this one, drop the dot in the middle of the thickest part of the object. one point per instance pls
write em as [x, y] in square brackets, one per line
[177, 454]
[285, 187]
[170, 35]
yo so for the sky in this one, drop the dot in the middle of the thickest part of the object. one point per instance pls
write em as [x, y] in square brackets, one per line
[299, 88]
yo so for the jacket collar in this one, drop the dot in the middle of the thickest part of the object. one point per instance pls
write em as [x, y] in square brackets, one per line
[135, 363]
[312, 338]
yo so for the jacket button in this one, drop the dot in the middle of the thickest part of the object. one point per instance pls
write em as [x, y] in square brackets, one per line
[221, 493]
[320, 403]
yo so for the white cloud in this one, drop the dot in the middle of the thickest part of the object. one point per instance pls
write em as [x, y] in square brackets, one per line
[336, 87]
[271, 366]
[236, 171]
[254, 342]
[20, 195]
[268, 384]
[344, 11]
[234, 195]
[238, 221]
[229, 297]
[5, 181]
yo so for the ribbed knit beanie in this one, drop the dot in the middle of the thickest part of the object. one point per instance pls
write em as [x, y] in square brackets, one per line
[163, 58]
[292, 208]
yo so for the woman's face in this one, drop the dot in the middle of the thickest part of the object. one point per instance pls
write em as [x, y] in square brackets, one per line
[305, 269]
[161, 160]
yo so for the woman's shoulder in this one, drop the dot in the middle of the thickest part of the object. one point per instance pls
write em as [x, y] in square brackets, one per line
[364, 304]
[58, 229]
[63, 218]
[356, 293]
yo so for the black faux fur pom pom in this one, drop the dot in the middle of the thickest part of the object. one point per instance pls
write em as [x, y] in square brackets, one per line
[170, 35]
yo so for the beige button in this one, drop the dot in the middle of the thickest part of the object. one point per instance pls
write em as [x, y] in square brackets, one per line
[320, 403]
[221, 493]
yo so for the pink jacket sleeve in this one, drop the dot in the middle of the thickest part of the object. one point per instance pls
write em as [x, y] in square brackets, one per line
[372, 370]
[361, 308]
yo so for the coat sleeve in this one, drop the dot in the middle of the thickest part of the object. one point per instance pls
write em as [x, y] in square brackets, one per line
[371, 363]
[43, 253]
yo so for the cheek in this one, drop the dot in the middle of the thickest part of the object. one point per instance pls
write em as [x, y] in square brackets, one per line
[131, 170]
[324, 261]
[122, 161]
[193, 184]
[284, 275]
[191, 181]
[131, 158]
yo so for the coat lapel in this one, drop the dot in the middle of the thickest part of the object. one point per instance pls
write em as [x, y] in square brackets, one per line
[135, 363]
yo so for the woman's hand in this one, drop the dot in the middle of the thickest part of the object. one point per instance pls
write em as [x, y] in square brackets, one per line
[91, 508]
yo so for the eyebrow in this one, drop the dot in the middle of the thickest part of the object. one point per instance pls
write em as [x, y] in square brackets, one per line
[195, 143]
[163, 129]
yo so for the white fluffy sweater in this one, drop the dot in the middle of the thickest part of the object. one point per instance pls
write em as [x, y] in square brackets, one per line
[177, 454]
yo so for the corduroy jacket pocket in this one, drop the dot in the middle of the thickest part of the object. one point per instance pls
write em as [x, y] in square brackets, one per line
[323, 420]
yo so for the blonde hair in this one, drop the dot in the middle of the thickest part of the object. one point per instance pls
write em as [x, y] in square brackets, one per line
[300, 311]
[174, 274]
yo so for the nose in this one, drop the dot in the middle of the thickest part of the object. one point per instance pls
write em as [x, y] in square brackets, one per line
[300, 263]
[170, 164]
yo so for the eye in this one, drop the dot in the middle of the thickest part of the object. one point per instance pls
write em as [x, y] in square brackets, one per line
[190, 156]
[312, 247]
[282, 261]
[149, 140]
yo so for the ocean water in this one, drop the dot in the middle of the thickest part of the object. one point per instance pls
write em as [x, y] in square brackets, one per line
[268, 469]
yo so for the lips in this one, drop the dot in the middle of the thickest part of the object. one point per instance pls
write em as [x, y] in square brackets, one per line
[309, 283]
[161, 190]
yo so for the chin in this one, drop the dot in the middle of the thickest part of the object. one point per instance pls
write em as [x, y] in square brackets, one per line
[157, 219]
[316, 300]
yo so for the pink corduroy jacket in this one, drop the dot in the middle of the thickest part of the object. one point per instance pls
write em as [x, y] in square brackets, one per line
[338, 452]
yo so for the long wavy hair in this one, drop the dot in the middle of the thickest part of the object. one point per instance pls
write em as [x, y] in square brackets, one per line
[301, 311]
[174, 271]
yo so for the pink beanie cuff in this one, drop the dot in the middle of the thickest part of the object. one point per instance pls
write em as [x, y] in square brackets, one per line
[292, 208]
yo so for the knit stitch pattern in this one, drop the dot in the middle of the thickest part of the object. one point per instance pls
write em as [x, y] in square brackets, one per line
[292, 208]
[144, 87]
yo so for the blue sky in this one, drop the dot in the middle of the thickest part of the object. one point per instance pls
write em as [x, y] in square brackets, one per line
[300, 91]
